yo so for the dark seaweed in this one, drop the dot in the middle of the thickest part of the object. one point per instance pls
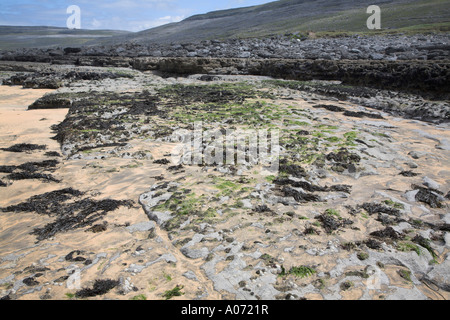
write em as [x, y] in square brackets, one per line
[24, 147]
[47, 203]
[30, 281]
[7, 169]
[329, 107]
[311, 187]
[389, 233]
[300, 196]
[408, 173]
[293, 169]
[343, 157]
[329, 223]
[262, 208]
[373, 208]
[52, 154]
[70, 215]
[361, 114]
[430, 196]
[373, 244]
[161, 161]
[100, 287]
[175, 168]
[78, 258]
[90, 211]
[27, 176]
[29, 171]
[49, 165]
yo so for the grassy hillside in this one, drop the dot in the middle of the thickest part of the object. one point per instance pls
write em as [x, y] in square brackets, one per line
[322, 17]
[12, 37]
[303, 15]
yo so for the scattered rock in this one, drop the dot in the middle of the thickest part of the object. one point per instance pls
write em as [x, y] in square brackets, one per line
[440, 275]
[431, 184]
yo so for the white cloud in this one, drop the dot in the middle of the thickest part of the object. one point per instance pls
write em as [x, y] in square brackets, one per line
[96, 24]
[148, 24]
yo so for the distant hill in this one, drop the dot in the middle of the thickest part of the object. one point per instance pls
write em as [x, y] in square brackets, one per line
[329, 17]
[12, 37]
[291, 16]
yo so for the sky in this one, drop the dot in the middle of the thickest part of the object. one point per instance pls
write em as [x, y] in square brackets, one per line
[130, 15]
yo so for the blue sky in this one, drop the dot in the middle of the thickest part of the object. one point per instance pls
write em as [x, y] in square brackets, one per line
[132, 15]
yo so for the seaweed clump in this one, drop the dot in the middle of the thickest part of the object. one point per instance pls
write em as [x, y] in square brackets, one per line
[373, 208]
[70, 215]
[99, 288]
[329, 223]
[29, 176]
[430, 196]
[30, 170]
[24, 147]
[343, 160]
[387, 233]
[300, 196]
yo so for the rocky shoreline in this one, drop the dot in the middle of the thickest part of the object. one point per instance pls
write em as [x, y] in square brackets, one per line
[415, 64]
[96, 208]
[426, 47]
[377, 85]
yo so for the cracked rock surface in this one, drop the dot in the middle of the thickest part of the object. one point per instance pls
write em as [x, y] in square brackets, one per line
[358, 207]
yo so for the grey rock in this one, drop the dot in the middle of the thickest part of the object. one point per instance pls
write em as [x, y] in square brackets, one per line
[244, 55]
[406, 294]
[167, 257]
[444, 144]
[411, 195]
[412, 165]
[431, 183]
[415, 155]
[447, 239]
[125, 285]
[160, 217]
[377, 56]
[440, 275]
[143, 226]
[195, 253]
[190, 275]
